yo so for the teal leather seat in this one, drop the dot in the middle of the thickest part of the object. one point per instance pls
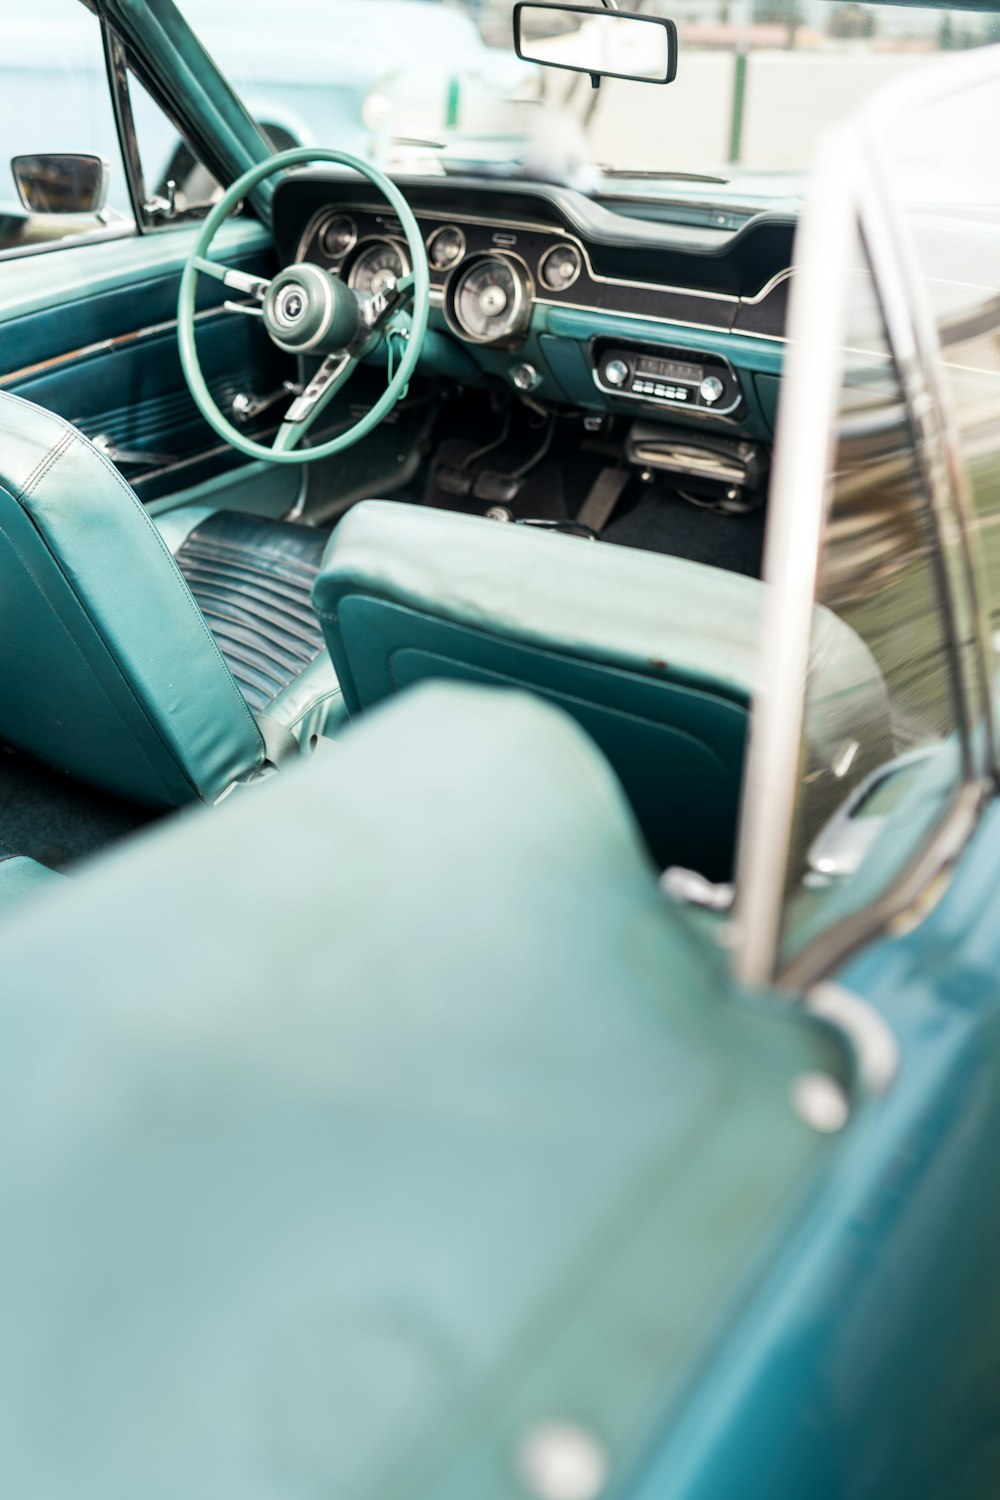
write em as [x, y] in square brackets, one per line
[108, 667]
[655, 656]
[361, 1176]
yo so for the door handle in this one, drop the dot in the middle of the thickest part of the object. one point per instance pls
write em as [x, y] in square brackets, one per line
[139, 458]
[245, 407]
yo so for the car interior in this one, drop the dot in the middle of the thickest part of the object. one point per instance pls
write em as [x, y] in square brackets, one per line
[345, 433]
[578, 462]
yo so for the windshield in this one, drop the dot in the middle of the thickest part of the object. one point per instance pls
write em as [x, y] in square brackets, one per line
[435, 86]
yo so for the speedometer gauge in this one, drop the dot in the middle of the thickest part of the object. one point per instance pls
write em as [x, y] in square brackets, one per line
[492, 299]
[378, 268]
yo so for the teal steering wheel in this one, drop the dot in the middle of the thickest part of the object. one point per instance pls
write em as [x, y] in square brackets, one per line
[306, 310]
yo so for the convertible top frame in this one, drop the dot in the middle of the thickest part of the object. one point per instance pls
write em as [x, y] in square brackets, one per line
[853, 191]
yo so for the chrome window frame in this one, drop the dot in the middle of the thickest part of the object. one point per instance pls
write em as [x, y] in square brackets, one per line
[852, 193]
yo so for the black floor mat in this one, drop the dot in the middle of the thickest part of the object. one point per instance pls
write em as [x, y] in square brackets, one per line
[57, 820]
[661, 521]
[541, 493]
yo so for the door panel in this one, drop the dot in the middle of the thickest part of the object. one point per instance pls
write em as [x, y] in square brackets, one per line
[90, 333]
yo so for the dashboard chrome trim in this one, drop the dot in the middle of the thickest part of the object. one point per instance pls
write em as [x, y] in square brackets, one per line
[663, 322]
[560, 236]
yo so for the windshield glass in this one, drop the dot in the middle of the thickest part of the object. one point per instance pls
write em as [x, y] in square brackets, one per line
[435, 86]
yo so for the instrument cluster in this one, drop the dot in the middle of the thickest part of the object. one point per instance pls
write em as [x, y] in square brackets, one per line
[485, 278]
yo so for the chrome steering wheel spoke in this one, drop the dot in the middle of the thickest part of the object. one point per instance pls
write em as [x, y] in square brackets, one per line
[333, 373]
[239, 281]
[379, 308]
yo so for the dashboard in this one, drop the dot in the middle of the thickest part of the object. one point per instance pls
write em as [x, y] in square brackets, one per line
[546, 289]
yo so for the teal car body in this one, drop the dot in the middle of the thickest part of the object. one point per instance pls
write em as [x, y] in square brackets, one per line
[498, 1062]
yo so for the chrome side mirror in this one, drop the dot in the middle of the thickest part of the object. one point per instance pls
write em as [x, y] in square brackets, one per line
[61, 183]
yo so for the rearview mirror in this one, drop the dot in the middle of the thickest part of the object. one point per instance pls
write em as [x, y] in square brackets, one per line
[603, 43]
[61, 184]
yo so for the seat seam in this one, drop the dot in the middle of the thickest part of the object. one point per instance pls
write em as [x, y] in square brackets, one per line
[43, 465]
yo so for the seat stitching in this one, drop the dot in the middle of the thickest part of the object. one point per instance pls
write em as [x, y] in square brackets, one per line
[43, 464]
[137, 504]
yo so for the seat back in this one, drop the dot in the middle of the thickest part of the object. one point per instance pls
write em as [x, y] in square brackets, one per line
[654, 656]
[107, 668]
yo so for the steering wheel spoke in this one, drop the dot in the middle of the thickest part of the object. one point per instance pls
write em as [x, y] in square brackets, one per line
[379, 308]
[333, 373]
[239, 281]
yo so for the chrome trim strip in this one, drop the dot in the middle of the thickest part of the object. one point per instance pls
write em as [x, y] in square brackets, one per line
[662, 321]
[125, 230]
[103, 346]
[768, 287]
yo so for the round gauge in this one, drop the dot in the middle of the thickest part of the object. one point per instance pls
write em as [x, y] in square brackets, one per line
[491, 299]
[378, 268]
[445, 247]
[559, 267]
[337, 236]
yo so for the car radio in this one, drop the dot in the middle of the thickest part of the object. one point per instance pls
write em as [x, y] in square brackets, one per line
[676, 378]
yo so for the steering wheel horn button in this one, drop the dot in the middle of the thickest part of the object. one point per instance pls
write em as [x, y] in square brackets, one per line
[289, 305]
[307, 310]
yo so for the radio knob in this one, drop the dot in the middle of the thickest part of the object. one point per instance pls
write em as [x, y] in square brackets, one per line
[616, 372]
[711, 389]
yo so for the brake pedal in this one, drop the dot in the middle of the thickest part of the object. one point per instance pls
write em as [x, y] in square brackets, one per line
[497, 488]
